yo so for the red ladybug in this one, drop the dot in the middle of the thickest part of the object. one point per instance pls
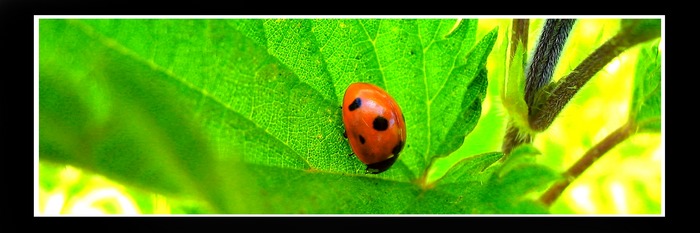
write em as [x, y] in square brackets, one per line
[374, 126]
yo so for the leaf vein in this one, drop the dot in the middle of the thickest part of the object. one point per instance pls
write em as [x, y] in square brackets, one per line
[374, 46]
[116, 46]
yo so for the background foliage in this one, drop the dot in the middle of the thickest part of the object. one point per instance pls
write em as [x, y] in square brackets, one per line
[241, 116]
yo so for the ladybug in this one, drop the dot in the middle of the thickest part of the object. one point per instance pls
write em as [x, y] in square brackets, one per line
[374, 126]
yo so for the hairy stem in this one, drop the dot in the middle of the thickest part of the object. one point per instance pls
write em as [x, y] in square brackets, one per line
[587, 160]
[546, 56]
[542, 115]
[519, 34]
[513, 138]
[541, 67]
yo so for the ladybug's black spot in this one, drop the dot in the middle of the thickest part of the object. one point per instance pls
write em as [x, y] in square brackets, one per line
[362, 139]
[397, 148]
[380, 123]
[355, 104]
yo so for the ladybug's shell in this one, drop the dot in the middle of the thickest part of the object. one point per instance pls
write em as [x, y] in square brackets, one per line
[374, 143]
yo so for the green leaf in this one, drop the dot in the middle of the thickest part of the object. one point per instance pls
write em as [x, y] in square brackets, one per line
[646, 97]
[289, 191]
[427, 65]
[508, 191]
[468, 169]
[484, 184]
[244, 113]
[459, 190]
[519, 156]
[104, 109]
[513, 92]
[459, 121]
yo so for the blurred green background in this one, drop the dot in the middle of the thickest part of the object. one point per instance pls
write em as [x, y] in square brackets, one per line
[627, 180]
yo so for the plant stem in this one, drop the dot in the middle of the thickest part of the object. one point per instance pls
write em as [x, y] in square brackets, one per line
[542, 115]
[513, 138]
[587, 160]
[519, 34]
[541, 68]
[546, 56]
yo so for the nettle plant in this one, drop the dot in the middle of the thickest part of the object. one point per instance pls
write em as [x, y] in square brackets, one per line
[242, 115]
[533, 101]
